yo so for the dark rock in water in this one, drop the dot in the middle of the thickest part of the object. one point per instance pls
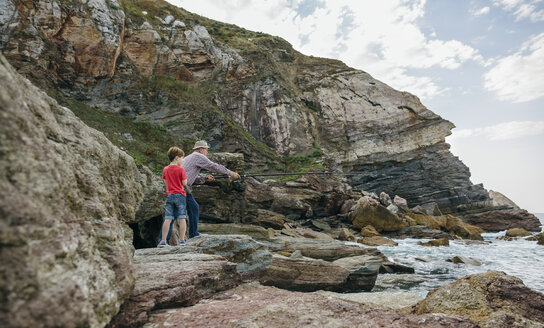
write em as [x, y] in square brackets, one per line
[392, 267]
[252, 305]
[464, 260]
[376, 241]
[492, 299]
[66, 194]
[517, 232]
[504, 220]
[167, 280]
[436, 242]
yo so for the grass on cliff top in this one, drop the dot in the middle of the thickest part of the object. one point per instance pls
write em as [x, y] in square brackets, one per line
[149, 143]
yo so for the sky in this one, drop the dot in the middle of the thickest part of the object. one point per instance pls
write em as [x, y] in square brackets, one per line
[476, 63]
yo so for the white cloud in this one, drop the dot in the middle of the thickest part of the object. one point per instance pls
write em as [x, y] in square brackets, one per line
[520, 76]
[380, 37]
[522, 9]
[480, 12]
[503, 131]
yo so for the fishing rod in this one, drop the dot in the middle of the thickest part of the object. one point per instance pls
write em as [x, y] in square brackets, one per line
[290, 173]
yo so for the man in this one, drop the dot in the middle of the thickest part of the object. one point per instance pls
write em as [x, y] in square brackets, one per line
[193, 163]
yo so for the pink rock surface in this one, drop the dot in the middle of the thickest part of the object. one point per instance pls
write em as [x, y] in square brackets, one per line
[254, 305]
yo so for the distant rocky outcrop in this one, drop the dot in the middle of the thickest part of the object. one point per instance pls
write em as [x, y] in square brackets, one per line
[65, 197]
[491, 299]
[504, 220]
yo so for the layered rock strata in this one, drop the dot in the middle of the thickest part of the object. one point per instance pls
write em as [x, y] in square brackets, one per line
[254, 95]
[65, 196]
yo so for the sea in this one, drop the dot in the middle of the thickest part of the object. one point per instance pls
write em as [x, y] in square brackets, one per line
[521, 258]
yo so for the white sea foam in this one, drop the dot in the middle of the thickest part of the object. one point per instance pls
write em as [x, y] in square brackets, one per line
[521, 258]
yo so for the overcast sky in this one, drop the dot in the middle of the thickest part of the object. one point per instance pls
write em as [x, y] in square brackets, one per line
[477, 63]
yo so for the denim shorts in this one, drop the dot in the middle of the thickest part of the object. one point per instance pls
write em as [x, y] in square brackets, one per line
[176, 207]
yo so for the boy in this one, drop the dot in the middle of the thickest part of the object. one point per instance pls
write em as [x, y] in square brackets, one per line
[176, 207]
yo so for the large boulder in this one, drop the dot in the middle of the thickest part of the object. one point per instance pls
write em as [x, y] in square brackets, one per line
[166, 279]
[492, 299]
[65, 196]
[363, 271]
[448, 223]
[369, 211]
[517, 232]
[305, 274]
[252, 305]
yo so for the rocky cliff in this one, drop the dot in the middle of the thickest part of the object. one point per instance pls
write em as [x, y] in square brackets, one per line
[243, 91]
[66, 193]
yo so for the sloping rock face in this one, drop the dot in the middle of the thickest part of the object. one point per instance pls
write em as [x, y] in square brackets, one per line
[259, 306]
[249, 93]
[491, 299]
[65, 196]
[169, 280]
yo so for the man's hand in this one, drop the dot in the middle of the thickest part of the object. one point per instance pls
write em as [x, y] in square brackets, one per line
[210, 178]
[234, 175]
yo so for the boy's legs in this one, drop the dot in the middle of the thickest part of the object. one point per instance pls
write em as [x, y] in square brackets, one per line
[182, 228]
[192, 211]
[165, 227]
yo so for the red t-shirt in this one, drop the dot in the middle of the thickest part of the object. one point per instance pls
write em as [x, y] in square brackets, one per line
[173, 175]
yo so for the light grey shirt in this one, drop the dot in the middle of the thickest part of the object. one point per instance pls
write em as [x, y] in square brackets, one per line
[196, 162]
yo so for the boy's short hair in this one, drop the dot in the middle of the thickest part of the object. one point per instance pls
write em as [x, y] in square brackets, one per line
[173, 152]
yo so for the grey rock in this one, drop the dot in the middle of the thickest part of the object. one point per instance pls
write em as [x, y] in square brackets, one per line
[173, 279]
[66, 196]
[363, 271]
[385, 199]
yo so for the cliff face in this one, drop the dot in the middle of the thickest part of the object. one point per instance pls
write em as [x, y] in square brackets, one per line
[243, 91]
[66, 193]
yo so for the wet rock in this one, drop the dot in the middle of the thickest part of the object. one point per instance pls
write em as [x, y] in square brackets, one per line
[436, 242]
[517, 232]
[363, 271]
[346, 235]
[256, 306]
[464, 260]
[377, 241]
[236, 229]
[504, 220]
[369, 211]
[304, 274]
[491, 299]
[166, 280]
[393, 267]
